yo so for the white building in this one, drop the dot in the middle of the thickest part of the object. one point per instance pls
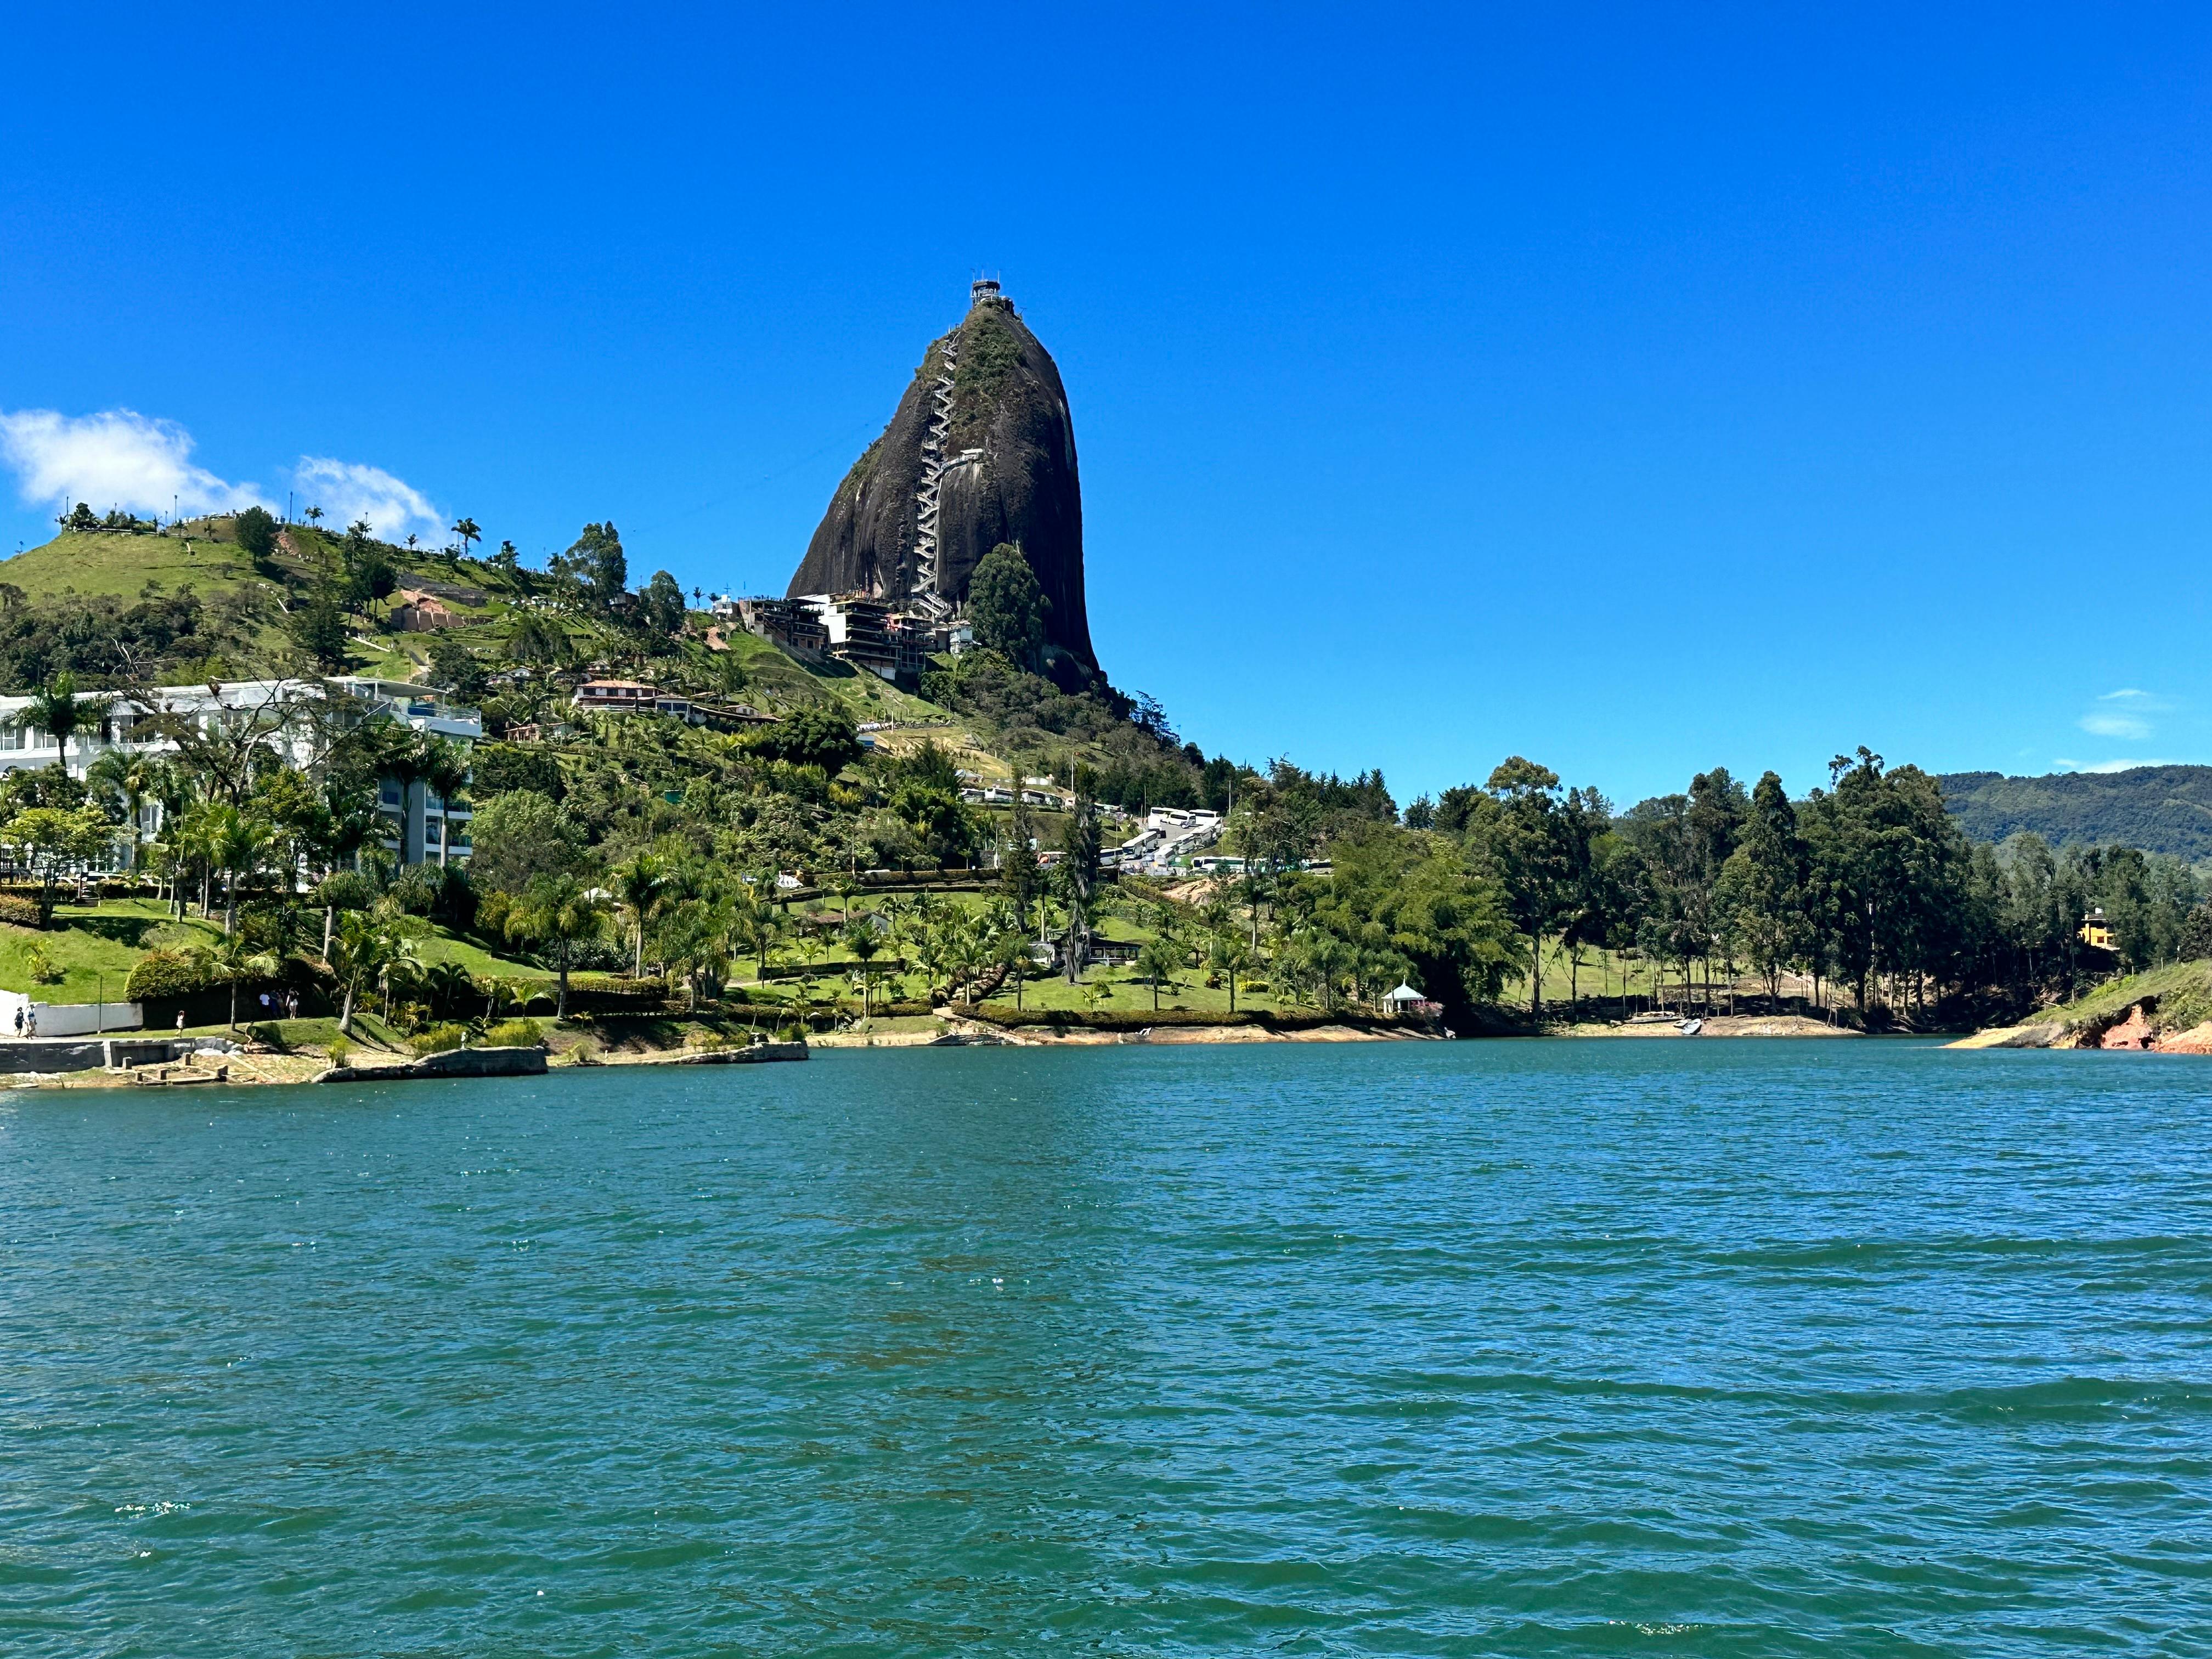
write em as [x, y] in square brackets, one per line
[422, 824]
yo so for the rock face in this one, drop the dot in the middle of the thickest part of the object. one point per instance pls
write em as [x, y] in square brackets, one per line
[1010, 476]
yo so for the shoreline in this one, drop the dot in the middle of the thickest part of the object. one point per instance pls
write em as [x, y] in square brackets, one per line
[250, 1065]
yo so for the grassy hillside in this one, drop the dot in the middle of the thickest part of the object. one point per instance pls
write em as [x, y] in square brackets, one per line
[2175, 998]
[119, 565]
[101, 586]
[2160, 809]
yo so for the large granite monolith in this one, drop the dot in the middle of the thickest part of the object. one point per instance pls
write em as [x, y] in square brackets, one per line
[1010, 476]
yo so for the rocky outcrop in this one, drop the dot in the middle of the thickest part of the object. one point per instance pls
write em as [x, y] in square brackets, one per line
[452, 1062]
[1010, 476]
[756, 1053]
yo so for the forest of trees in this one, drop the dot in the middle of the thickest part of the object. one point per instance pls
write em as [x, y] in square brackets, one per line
[1866, 885]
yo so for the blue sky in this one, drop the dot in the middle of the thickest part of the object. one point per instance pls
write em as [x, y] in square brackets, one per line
[1637, 393]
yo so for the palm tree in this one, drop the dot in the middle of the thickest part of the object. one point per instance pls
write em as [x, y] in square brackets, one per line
[695, 939]
[1158, 961]
[234, 843]
[132, 779]
[557, 914]
[361, 952]
[443, 767]
[58, 709]
[755, 922]
[1012, 952]
[1233, 957]
[861, 939]
[449, 985]
[194, 837]
[469, 533]
[641, 883]
[233, 959]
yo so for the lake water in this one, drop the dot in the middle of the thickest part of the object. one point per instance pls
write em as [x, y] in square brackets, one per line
[1696, 1348]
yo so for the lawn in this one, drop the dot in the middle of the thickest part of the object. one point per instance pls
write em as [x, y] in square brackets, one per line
[442, 946]
[93, 967]
[1125, 992]
[108, 939]
[117, 564]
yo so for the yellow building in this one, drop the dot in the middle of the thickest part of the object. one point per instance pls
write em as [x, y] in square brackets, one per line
[2096, 931]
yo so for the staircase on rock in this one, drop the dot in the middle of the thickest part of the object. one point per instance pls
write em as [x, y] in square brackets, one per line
[927, 561]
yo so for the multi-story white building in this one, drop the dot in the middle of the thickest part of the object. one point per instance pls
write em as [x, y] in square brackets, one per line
[423, 825]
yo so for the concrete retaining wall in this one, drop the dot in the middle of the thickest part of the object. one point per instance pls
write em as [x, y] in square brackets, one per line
[47, 1054]
[58, 1019]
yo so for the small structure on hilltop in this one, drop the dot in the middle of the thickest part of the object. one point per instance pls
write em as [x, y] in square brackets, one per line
[416, 611]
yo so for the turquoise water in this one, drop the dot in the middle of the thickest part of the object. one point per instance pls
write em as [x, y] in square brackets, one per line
[1693, 1348]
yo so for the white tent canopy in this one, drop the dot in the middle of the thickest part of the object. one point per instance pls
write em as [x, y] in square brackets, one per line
[1404, 994]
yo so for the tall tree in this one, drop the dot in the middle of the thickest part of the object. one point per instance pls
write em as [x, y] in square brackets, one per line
[596, 563]
[559, 915]
[1763, 884]
[1528, 844]
[640, 884]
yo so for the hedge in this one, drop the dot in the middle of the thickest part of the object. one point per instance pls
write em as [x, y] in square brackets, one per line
[168, 974]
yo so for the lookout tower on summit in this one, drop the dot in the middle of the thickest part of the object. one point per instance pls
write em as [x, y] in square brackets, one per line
[980, 454]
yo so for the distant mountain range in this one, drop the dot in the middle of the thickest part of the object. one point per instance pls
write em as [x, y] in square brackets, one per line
[2160, 808]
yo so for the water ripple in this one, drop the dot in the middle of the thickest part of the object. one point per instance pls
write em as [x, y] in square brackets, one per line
[1520, 1349]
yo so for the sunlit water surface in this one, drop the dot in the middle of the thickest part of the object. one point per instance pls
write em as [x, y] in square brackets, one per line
[1692, 1348]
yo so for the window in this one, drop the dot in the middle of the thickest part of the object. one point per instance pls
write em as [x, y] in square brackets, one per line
[11, 736]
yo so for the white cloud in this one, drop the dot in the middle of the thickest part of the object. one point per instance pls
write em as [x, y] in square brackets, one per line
[346, 490]
[2125, 713]
[116, 459]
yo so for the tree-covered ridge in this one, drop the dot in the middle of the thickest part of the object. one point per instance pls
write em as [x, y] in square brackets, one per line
[2157, 809]
[1867, 884]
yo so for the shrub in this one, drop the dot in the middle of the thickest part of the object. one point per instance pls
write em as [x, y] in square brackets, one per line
[416, 891]
[586, 1053]
[794, 1032]
[515, 1034]
[22, 912]
[436, 1039]
[40, 966]
[345, 890]
[338, 1051]
[167, 974]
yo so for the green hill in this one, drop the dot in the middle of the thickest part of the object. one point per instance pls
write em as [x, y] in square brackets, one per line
[186, 603]
[117, 564]
[2160, 809]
